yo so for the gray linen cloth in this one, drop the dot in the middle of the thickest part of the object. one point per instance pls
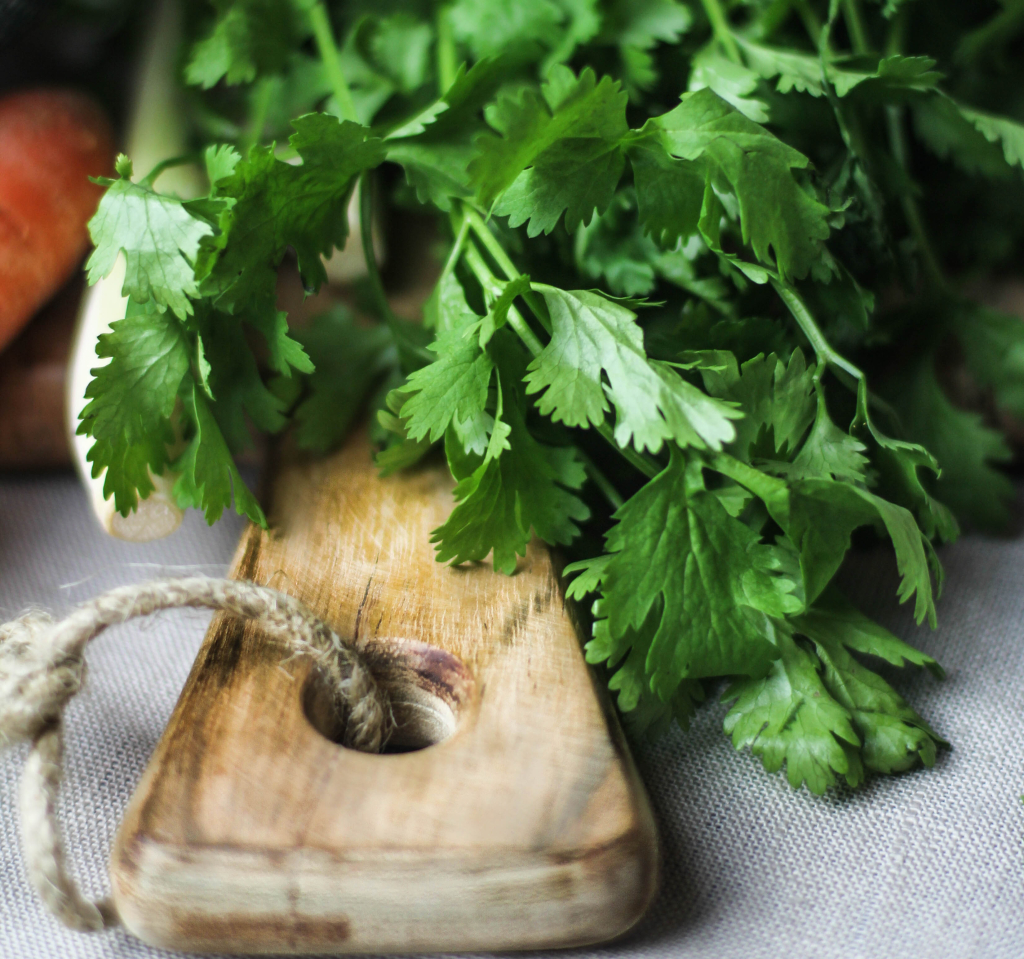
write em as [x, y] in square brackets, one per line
[929, 864]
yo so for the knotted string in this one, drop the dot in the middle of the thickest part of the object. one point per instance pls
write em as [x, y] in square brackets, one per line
[42, 668]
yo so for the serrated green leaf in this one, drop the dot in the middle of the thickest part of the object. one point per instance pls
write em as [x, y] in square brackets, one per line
[836, 617]
[900, 463]
[829, 452]
[452, 389]
[966, 449]
[285, 353]
[489, 28]
[593, 337]
[784, 224]
[208, 475]
[249, 37]
[732, 81]
[789, 717]
[518, 485]
[803, 71]
[558, 150]
[669, 192]
[235, 382]
[158, 237]
[277, 205]
[675, 548]
[894, 737]
[131, 400]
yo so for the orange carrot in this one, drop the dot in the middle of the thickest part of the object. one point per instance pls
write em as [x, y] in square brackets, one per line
[51, 142]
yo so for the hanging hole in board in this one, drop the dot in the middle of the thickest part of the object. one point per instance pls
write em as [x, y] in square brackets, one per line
[428, 689]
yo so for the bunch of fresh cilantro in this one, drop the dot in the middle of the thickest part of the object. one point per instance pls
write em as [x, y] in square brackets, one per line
[696, 321]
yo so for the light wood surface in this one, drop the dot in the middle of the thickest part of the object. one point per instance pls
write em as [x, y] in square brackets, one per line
[523, 824]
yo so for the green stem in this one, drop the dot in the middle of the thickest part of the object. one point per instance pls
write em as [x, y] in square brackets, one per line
[1003, 26]
[897, 32]
[806, 322]
[504, 261]
[812, 22]
[493, 287]
[901, 152]
[763, 486]
[650, 468]
[260, 105]
[773, 17]
[855, 26]
[601, 481]
[150, 178]
[447, 63]
[720, 27]
[329, 56]
[911, 211]
[457, 247]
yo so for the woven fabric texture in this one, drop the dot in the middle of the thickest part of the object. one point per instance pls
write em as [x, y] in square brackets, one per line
[929, 864]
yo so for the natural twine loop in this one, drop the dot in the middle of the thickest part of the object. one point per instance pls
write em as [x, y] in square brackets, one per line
[42, 668]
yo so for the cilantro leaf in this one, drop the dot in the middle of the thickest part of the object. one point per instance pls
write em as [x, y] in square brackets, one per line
[776, 214]
[669, 192]
[208, 473]
[277, 205]
[789, 717]
[645, 710]
[593, 337]
[400, 48]
[249, 37]
[678, 556]
[234, 382]
[998, 130]
[452, 389]
[285, 354]
[965, 448]
[820, 515]
[436, 171]
[943, 128]
[825, 714]
[835, 616]
[732, 81]
[488, 28]
[894, 736]
[559, 150]
[803, 72]
[581, 22]
[613, 247]
[158, 236]
[829, 452]
[131, 400]
[645, 23]
[636, 27]
[517, 485]
[777, 403]
[899, 463]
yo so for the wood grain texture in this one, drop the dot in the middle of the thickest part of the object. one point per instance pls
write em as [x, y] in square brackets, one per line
[524, 825]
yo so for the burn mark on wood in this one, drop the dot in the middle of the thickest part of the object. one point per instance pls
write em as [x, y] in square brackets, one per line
[515, 621]
[257, 932]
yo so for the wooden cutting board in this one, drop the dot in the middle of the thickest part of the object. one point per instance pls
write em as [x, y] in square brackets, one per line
[521, 824]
